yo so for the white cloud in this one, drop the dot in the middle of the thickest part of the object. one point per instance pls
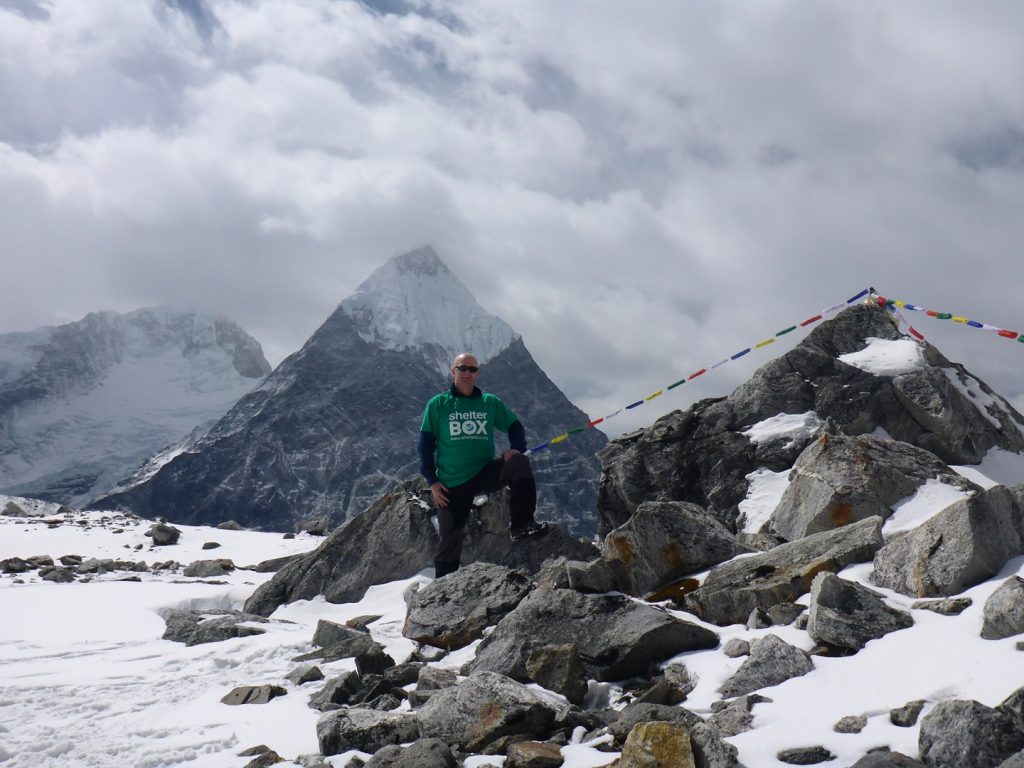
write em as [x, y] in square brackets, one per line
[639, 190]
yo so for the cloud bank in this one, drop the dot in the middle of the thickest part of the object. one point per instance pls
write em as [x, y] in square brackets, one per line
[639, 190]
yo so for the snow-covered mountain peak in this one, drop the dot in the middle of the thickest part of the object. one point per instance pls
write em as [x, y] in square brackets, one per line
[413, 301]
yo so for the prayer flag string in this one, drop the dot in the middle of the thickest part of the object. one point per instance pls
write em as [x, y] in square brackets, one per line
[760, 345]
[896, 303]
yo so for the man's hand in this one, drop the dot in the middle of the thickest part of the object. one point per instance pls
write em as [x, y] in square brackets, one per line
[440, 493]
[510, 453]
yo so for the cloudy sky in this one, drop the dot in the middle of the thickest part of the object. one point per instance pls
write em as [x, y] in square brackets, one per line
[640, 189]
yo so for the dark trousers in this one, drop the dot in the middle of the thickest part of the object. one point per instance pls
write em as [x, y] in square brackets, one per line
[514, 473]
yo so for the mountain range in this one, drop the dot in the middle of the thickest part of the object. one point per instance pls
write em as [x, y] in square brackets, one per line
[82, 404]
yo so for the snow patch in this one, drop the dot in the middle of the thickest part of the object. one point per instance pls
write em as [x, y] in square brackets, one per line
[999, 467]
[887, 357]
[788, 426]
[926, 502]
[763, 496]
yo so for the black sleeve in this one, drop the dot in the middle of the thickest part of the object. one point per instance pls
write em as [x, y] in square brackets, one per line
[428, 442]
[517, 436]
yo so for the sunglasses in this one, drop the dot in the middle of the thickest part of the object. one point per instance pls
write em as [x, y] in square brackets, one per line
[466, 368]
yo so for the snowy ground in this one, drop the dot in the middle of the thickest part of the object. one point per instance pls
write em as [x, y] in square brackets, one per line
[85, 679]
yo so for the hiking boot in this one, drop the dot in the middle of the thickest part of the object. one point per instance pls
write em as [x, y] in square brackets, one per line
[532, 531]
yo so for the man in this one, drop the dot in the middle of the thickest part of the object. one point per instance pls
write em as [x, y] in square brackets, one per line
[458, 429]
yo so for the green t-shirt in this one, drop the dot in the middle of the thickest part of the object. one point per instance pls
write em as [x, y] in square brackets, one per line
[464, 428]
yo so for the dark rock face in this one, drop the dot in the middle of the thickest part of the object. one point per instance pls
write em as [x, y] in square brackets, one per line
[847, 615]
[734, 589]
[616, 638]
[960, 547]
[663, 541]
[839, 480]
[482, 709]
[702, 456]
[960, 733]
[395, 539]
[771, 661]
[326, 434]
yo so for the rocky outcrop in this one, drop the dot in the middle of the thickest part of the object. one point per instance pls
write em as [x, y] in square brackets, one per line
[846, 615]
[887, 759]
[422, 753]
[703, 455]
[657, 744]
[771, 661]
[839, 480]
[367, 730]
[395, 539]
[959, 733]
[485, 707]
[663, 541]
[1003, 614]
[734, 589]
[454, 610]
[615, 637]
[198, 627]
[959, 547]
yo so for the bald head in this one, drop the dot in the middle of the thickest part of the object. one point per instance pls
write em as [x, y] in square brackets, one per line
[465, 379]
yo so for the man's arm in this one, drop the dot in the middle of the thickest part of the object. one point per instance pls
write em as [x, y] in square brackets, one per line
[428, 466]
[517, 436]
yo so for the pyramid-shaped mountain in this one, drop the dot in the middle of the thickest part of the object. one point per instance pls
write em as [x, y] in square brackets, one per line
[336, 424]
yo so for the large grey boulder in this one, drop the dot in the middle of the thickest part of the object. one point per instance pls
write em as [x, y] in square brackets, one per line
[482, 709]
[163, 535]
[966, 733]
[663, 541]
[1003, 613]
[703, 456]
[734, 589]
[198, 627]
[615, 637]
[772, 661]
[395, 539]
[367, 730]
[453, 611]
[848, 615]
[839, 479]
[961, 546]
